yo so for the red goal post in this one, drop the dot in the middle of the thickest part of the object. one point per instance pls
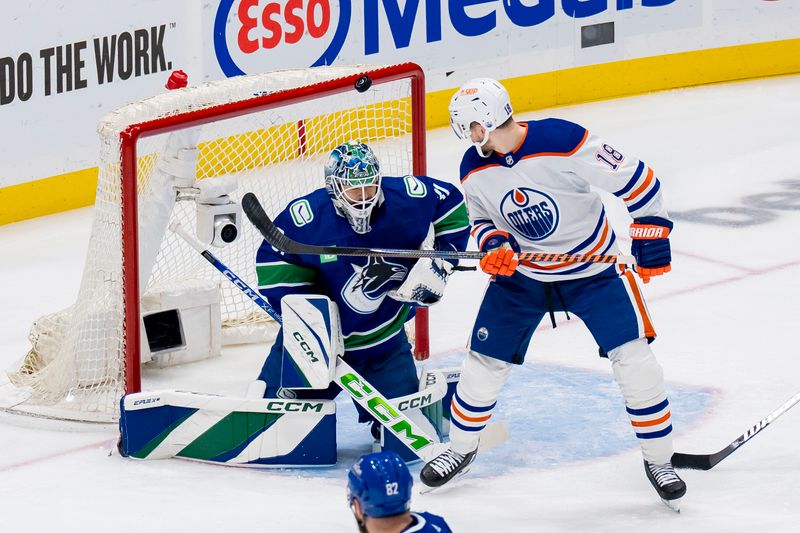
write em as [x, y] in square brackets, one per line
[134, 132]
[266, 133]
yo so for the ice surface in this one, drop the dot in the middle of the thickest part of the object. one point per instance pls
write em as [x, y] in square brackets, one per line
[726, 317]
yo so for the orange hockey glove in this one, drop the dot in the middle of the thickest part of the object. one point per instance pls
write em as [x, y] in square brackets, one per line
[501, 261]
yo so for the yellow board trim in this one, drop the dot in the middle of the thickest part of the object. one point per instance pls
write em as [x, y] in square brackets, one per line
[536, 91]
[48, 196]
[637, 76]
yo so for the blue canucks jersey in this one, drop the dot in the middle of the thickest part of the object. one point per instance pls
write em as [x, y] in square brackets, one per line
[371, 322]
[427, 523]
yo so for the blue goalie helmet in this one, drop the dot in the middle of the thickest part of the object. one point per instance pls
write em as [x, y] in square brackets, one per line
[353, 181]
[382, 484]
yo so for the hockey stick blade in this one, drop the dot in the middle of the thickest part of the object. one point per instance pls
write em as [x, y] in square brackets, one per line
[693, 462]
[709, 461]
[258, 217]
[273, 235]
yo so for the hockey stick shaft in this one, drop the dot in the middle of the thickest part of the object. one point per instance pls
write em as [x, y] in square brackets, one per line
[232, 277]
[273, 235]
[708, 461]
[393, 419]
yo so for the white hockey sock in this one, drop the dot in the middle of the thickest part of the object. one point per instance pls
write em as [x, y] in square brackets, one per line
[476, 395]
[641, 379]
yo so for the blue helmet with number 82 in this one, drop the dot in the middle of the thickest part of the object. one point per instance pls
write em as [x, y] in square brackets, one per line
[381, 483]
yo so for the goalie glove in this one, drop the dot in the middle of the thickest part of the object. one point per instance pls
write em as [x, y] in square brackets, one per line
[425, 283]
[650, 246]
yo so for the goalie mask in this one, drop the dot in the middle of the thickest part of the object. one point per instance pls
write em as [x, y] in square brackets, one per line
[481, 100]
[353, 181]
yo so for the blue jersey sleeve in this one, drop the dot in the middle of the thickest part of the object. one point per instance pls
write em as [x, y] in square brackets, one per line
[450, 219]
[280, 274]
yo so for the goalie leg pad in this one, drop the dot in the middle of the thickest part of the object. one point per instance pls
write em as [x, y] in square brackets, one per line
[641, 380]
[230, 431]
[394, 374]
[451, 377]
[424, 408]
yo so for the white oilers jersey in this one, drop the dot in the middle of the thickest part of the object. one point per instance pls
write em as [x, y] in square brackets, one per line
[540, 194]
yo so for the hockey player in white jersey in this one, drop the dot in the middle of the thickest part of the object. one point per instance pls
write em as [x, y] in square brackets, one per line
[527, 186]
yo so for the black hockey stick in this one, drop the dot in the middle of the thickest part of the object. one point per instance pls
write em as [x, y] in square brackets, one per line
[273, 235]
[707, 462]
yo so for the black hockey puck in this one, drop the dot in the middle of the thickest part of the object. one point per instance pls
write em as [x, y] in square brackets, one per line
[363, 84]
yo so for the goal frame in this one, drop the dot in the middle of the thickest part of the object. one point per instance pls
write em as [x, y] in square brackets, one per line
[131, 135]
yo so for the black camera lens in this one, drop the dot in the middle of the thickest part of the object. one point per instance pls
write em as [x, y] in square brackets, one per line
[228, 233]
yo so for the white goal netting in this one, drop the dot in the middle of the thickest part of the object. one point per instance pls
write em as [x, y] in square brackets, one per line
[75, 368]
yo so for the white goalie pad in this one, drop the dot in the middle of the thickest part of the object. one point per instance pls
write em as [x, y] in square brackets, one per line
[312, 340]
[432, 388]
[228, 430]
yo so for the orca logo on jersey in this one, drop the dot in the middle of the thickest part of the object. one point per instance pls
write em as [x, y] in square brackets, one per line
[367, 287]
[532, 214]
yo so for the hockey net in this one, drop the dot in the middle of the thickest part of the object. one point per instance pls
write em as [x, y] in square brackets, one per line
[270, 134]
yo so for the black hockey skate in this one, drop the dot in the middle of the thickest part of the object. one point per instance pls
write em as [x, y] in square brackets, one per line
[445, 467]
[667, 483]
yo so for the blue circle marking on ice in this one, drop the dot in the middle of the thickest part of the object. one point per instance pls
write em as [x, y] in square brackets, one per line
[555, 415]
[533, 214]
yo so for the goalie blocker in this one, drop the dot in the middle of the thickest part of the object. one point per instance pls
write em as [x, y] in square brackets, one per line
[280, 432]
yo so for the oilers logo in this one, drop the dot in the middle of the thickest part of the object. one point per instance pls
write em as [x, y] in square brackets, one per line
[531, 213]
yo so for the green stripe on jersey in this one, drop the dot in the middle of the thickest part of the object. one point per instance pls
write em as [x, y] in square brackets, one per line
[278, 273]
[456, 219]
[379, 334]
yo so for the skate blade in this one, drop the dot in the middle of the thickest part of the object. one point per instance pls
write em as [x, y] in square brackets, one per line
[674, 505]
[425, 489]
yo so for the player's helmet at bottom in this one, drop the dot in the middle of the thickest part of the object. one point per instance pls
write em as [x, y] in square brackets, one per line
[353, 181]
[381, 483]
[481, 100]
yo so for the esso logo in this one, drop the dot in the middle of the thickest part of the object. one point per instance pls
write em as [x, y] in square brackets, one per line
[252, 36]
[266, 26]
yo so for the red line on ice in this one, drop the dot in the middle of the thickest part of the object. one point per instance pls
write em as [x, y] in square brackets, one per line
[62, 453]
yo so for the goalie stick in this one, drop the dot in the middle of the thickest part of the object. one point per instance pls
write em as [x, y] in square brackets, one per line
[346, 377]
[273, 235]
[708, 461]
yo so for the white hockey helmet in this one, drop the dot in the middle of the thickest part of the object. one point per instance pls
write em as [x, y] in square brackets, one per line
[481, 100]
